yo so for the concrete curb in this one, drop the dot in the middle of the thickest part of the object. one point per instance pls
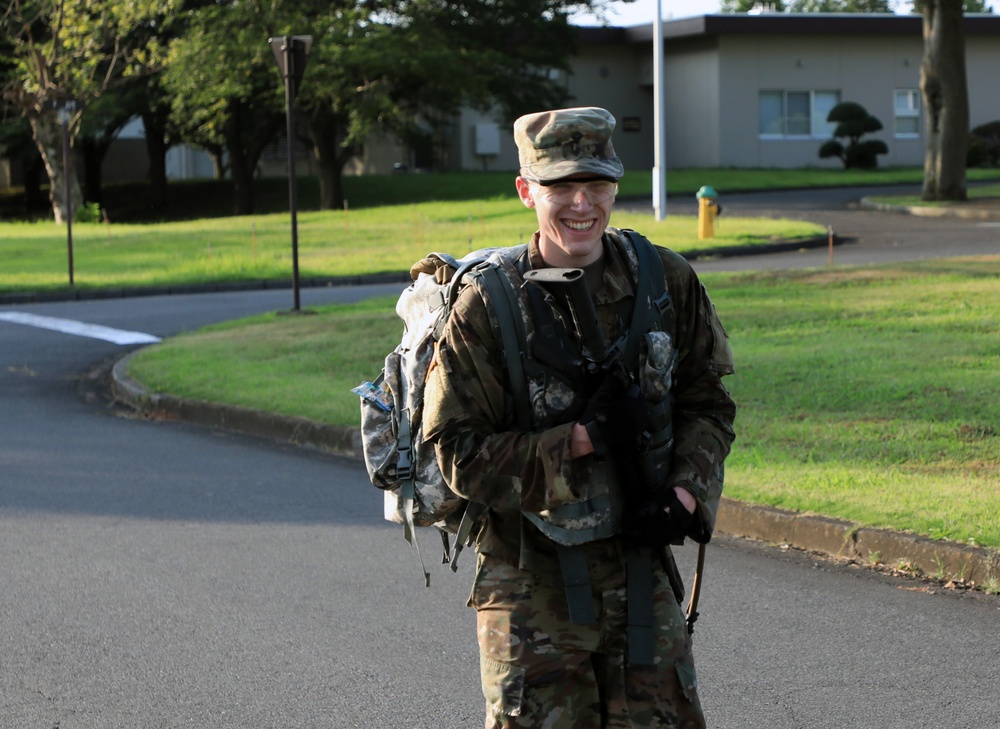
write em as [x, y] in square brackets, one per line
[832, 537]
[299, 431]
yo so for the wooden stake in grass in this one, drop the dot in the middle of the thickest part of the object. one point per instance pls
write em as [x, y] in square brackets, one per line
[829, 231]
[253, 240]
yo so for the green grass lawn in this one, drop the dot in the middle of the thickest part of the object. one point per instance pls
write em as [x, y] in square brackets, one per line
[331, 243]
[864, 394]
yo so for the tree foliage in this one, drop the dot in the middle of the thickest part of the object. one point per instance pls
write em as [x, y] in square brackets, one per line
[400, 67]
[63, 50]
[394, 67]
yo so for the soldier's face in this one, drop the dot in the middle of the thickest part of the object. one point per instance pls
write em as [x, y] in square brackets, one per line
[572, 215]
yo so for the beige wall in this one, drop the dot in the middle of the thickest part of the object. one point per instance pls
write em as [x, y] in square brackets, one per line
[612, 76]
[712, 86]
[866, 69]
[982, 60]
[693, 106]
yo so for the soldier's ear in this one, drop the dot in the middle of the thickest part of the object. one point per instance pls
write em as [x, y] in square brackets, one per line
[524, 192]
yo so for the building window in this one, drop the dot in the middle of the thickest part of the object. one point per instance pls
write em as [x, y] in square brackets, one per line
[796, 113]
[906, 105]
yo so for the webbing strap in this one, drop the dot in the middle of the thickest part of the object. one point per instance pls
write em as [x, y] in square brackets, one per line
[650, 293]
[576, 578]
[641, 636]
[407, 489]
[472, 512]
[508, 316]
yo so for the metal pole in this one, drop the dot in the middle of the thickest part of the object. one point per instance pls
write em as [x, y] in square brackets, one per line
[659, 124]
[289, 52]
[65, 114]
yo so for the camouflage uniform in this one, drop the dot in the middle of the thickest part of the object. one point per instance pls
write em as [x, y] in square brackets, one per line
[538, 668]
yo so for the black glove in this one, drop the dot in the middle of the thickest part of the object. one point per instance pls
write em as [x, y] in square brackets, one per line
[659, 520]
[616, 418]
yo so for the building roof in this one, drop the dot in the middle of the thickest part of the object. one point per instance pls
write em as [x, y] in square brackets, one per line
[783, 24]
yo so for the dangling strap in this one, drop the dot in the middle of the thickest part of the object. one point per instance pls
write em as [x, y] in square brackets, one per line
[407, 475]
[641, 635]
[576, 578]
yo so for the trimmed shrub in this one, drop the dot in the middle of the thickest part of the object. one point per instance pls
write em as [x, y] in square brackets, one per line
[984, 146]
[853, 122]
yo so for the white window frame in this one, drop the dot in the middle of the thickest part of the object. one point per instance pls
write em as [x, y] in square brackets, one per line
[819, 127]
[910, 110]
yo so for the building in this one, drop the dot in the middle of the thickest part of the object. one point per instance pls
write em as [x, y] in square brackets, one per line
[754, 90]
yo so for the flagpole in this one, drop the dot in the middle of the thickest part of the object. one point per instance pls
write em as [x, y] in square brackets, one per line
[659, 124]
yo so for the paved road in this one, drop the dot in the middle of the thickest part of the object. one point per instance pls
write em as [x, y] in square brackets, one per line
[157, 574]
[873, 237]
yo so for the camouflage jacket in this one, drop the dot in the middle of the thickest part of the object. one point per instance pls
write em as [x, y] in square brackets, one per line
[484, 459]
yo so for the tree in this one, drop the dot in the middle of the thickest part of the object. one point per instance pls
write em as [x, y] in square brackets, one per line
[853, 122]
[64, 50]
[406, 68]
[220, 75]
[16, 143]
[946, 100]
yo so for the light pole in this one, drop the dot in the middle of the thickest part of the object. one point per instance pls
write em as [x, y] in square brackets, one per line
[291, 53]
[65, 112]
[659, 124]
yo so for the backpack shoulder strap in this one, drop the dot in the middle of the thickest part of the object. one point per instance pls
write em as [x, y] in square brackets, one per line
[503, 299]
[651, 288]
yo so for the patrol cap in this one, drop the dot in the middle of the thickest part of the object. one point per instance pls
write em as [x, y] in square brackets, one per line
[563, 142]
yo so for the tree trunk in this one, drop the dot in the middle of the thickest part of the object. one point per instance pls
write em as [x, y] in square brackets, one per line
[240, 165]
[34, 169]
[48, 135]
[330, 158]
[946, 101]
[93, 153]
[156, 150]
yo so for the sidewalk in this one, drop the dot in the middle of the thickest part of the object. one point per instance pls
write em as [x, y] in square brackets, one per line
[946, 561]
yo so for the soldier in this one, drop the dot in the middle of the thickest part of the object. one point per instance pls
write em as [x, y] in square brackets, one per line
[618, 463]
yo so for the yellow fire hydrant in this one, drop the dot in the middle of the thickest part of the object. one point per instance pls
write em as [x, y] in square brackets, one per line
[708, 210]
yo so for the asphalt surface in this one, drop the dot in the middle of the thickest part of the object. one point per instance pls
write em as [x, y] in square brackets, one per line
[158, 573]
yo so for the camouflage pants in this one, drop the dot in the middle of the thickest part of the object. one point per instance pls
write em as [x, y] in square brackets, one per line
[541, 670]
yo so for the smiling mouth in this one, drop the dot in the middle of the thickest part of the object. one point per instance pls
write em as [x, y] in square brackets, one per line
[579, 225]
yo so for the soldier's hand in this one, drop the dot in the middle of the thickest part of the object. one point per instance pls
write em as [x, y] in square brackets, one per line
[660, 520]
[616, 417]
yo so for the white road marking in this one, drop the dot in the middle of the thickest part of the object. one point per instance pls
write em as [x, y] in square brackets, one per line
[78, 328]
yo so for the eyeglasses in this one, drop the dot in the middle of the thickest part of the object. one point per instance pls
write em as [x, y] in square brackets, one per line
[566, 192]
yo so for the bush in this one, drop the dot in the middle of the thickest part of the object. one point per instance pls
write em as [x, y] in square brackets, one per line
[853, 122]
[984, 146]
[88, 213]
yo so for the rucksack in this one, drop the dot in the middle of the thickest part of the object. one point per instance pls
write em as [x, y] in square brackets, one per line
[415, 492]
[397, 459]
